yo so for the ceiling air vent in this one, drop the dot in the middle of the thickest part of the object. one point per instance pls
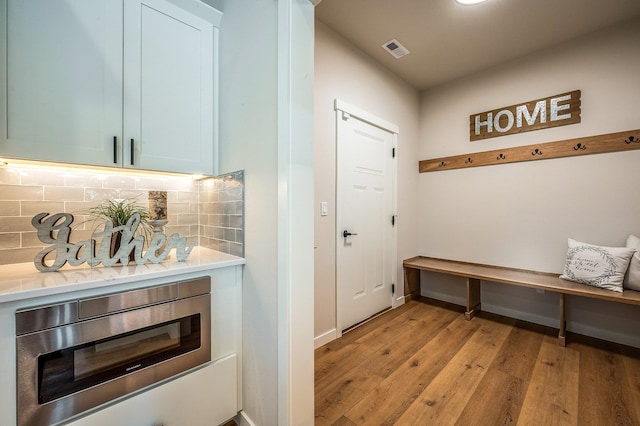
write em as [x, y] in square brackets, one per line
[395, 48]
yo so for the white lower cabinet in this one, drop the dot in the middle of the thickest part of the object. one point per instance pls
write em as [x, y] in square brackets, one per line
[205, 397]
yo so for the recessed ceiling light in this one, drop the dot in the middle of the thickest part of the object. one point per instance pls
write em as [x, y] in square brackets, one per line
[469, 2]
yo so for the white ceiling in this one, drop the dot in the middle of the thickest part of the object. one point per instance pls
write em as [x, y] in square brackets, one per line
[448, 41]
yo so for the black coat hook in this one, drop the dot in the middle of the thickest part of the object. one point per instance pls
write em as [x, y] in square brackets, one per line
[442, 164]
[501, 157]
[632, 140]
[468, 160]
[536, 152]
[579, 146]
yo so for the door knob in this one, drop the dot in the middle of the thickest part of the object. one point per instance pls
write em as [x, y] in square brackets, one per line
[346, 233]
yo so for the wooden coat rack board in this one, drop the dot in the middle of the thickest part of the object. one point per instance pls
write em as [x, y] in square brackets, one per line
[611, 142]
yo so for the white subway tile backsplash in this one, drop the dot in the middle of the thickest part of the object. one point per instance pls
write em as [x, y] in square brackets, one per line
[37, 177]
[19, 255]
[9, 176]
[182, 208]
[10, 240]
[10, 208]
[236, 249]
[15, 224]
[63, 193]
[83, 180]
[187, 197]
[187, 219]
[30, 239]
[208, 212]
[32, 208]
[119, 181]
[99, 194]
[21, 193]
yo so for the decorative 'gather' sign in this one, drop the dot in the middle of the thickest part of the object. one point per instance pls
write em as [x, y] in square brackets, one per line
[557, 110]
[85, 251]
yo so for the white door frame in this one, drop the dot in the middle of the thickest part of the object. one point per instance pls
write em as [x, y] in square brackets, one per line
[341, 107]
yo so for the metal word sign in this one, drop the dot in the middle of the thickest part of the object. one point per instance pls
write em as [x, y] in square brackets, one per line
[85, 251]
[557, 110]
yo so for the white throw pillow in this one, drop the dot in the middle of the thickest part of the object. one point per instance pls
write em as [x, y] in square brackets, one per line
[632, 279]
[597, 266]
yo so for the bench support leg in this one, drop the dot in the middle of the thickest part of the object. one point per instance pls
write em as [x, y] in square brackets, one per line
[411, 283]
[473, 298]
[562, 335]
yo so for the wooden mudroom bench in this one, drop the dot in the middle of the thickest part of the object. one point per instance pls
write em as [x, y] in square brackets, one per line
[475, 273]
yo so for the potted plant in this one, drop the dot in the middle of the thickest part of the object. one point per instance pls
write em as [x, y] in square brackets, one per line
[118, 212]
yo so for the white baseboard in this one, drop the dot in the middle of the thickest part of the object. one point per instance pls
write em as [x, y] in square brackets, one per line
[325, 338]
[243, 420]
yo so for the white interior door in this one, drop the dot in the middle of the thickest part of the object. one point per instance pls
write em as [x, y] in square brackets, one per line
[365, 264]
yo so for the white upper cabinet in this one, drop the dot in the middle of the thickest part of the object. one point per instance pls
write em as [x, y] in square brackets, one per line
[168, 86]
[64, 80]
[110, 83]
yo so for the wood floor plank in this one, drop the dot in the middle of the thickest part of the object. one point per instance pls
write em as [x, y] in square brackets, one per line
[343, 421]
[370, 347]
[518, 356]
[552, 396]
[334, 400]
[632, 373]
[499, 397]
[424, 325]
[338, 366]
[604, 389]
[387, 402]
[336, 395]
[397, 315]
[496, 400]
[445, 398]
[530, 380]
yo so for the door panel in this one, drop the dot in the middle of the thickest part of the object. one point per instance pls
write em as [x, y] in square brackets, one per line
[365, 208]
[168, 88]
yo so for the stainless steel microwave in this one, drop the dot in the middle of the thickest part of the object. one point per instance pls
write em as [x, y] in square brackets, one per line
[76, 355]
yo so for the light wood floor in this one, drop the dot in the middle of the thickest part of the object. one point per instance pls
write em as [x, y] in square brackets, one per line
[424, 364]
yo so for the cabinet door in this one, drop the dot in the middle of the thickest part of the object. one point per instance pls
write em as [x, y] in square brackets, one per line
[63, 92]
[168, 77]
[202, 397]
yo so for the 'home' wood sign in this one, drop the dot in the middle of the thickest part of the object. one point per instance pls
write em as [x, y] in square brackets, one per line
[557, 110]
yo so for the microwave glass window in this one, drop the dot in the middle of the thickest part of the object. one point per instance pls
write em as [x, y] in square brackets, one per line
[70, 370]
[104, 356]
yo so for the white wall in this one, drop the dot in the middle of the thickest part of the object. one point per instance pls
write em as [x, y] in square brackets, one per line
[266, 82]
[520, 215]
[295, 213]
[343, 72]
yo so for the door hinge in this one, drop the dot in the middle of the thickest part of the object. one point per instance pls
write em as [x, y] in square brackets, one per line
[393, 220]
[393, 153]
[393, 289]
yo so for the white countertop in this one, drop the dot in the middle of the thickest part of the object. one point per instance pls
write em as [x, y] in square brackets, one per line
[23, 281]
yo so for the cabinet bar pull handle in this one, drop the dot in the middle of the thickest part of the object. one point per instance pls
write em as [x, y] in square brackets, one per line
[115, 150]
[132, 154]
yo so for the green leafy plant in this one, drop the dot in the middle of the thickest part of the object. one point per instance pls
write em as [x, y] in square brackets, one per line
[119, 211]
